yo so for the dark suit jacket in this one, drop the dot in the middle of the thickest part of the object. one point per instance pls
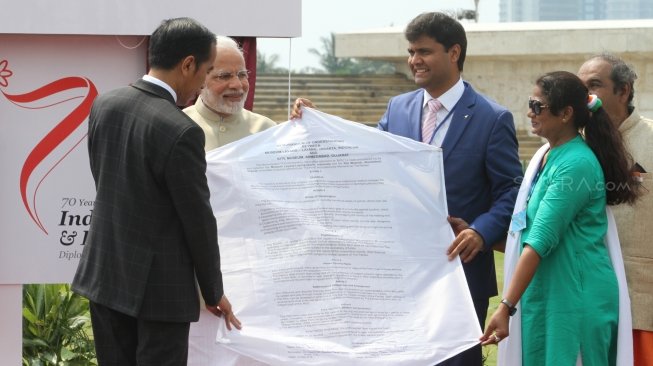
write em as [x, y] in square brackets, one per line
[482, 171]
[152, 229]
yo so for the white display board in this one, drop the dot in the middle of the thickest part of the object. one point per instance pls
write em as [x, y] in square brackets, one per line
[243, 18]
[46, 86]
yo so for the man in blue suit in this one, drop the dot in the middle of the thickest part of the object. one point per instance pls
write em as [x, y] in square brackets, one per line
[482, 170]
[481, 163]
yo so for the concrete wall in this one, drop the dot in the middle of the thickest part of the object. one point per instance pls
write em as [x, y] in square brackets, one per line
[504, 59]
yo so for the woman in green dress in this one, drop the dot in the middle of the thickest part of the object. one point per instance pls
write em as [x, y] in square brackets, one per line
[564, 279]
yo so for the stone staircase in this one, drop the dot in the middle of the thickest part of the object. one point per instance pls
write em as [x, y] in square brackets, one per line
[528, 146]
[361, 98]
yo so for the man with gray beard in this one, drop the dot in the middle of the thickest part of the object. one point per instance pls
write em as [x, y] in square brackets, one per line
[219, 110]
[613, 80]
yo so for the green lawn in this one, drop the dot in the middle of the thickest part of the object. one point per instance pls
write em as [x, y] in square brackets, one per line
[491, 351]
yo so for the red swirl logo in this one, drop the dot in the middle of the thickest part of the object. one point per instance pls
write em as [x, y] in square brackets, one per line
[54, 137]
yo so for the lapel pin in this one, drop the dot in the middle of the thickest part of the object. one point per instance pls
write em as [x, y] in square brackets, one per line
[467, 115]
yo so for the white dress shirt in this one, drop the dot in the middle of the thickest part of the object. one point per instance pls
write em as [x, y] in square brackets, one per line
[162, 84]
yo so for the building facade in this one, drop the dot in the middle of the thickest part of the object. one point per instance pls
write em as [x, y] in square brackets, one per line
[504, 59]
[546, 10]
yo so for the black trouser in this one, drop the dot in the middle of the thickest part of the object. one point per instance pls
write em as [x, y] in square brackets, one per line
[122, 340]
[474, 355]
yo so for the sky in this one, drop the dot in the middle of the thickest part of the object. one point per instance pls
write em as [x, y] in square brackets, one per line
[320, 18]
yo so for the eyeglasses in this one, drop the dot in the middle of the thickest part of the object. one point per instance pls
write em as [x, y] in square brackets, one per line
[536, 106]
[242, 75]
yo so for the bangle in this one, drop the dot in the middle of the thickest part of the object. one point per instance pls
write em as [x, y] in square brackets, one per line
[511, 308]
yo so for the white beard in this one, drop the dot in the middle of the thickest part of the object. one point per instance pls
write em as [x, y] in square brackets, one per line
[221, 106]
[228, 107]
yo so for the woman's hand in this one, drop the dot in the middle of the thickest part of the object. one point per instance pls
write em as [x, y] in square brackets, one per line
[497, 328]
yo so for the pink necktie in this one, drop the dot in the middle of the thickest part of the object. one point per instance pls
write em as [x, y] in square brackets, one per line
[428, 126]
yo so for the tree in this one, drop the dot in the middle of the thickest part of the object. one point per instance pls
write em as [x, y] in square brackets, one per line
[328, 59]
[268, 64]
[346, 65]
[365, 66]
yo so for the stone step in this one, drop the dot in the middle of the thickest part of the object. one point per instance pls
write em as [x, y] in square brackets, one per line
[332, 104]
[361, 98]
[331, 89]
[365, 118]
[380, 95]
[363, 78]
[304, 80]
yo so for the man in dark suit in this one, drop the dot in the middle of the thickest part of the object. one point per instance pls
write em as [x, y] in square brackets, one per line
[481, 162]
[152, 231]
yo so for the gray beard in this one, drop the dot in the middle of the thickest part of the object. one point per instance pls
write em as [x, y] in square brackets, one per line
[229, 108]
[220, 106]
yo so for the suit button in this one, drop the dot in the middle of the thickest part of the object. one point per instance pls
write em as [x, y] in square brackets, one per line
[223, 128]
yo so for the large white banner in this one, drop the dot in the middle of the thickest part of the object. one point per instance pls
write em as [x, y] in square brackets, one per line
[47, 85]
[333, 238]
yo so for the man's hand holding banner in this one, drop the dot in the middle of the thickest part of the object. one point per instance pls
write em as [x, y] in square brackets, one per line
[333, 238]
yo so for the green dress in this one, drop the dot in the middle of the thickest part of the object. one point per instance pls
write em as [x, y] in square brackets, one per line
[572, 303]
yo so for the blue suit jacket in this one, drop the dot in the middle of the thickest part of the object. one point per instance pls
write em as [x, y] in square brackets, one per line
[482, 170]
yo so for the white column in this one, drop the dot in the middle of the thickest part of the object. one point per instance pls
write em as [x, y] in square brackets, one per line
[11, 331]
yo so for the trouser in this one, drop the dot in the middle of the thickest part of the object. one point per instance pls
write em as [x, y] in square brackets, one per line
[122, 340]
[643, 347]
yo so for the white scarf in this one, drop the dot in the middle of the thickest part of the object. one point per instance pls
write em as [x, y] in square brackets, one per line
[510, 349]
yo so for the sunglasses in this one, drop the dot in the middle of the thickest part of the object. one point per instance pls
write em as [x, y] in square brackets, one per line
[536, 106]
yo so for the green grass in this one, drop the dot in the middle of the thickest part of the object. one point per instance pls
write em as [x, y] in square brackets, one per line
[491, 351]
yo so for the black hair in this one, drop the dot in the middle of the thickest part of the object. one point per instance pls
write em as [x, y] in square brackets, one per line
[442, 28]
[563, 89]
[178, 38]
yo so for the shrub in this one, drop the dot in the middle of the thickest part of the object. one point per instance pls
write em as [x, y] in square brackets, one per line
[56, 327]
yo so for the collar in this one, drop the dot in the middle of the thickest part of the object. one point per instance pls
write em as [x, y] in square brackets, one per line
[629, 122]
[155, 81]
[450, 97]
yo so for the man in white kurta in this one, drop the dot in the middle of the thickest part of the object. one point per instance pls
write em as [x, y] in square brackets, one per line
[612, 80]
[221, 130]
[219, 109]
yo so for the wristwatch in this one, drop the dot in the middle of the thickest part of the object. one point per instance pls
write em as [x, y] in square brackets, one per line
[511, 308]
